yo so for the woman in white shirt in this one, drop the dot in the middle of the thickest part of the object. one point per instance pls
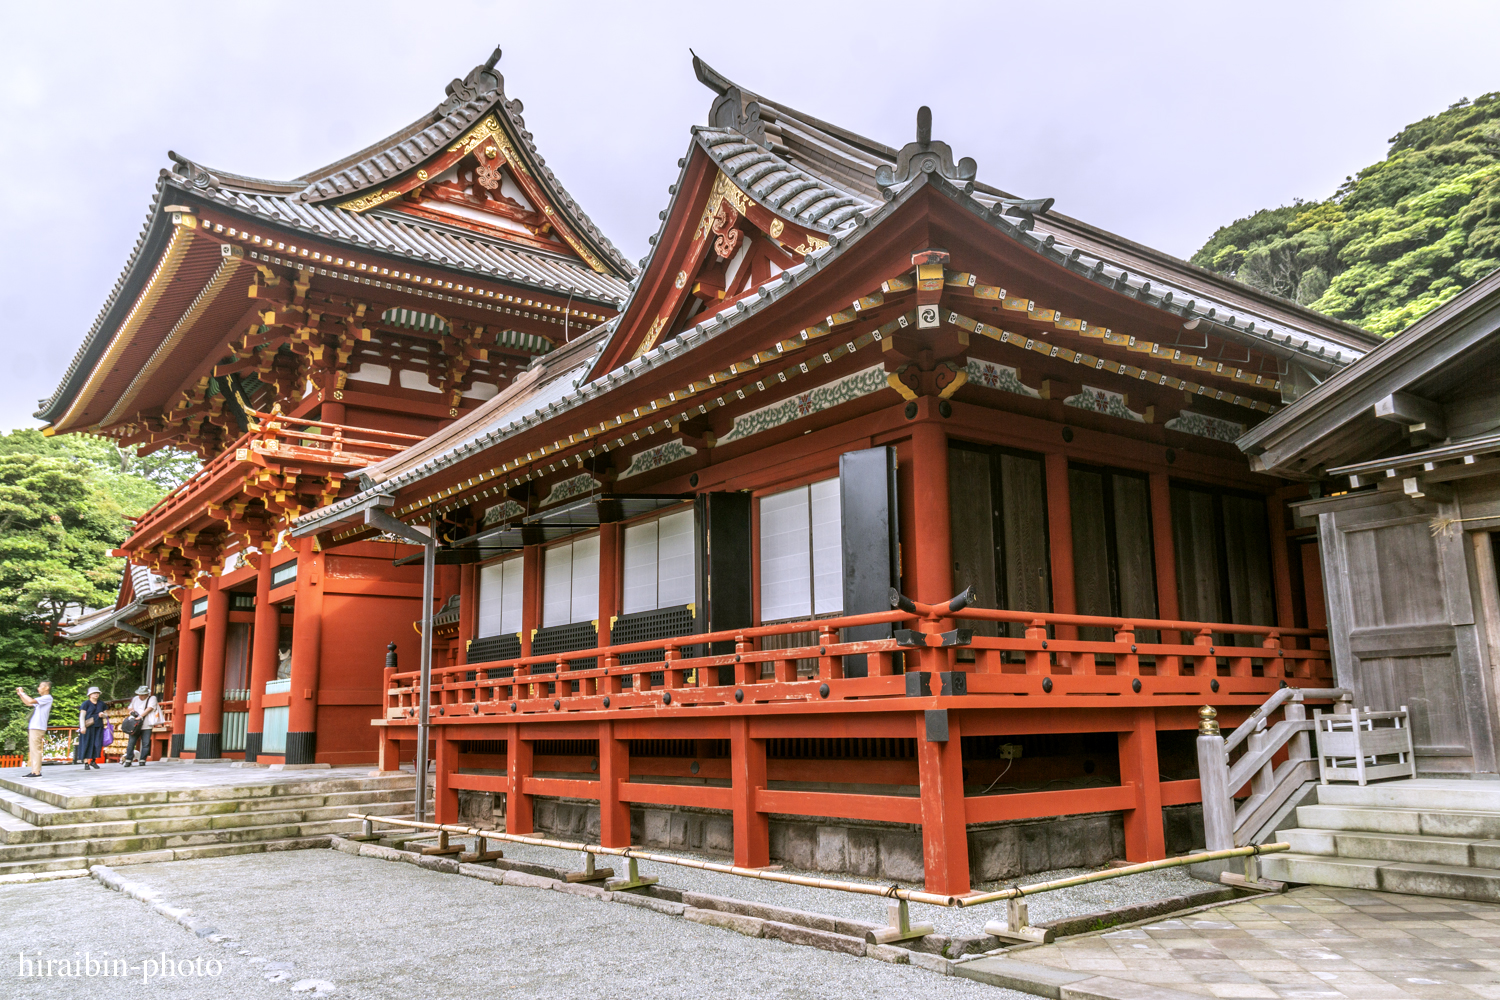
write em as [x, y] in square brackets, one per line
[144, 709]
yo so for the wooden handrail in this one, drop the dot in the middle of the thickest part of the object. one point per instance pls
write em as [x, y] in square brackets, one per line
[1271, 785]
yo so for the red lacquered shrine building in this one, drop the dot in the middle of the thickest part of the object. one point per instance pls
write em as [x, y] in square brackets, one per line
[294, 333]
[845, 370]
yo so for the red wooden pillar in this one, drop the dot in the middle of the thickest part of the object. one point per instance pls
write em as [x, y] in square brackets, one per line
[468, 608]
[747, 772]
[263, 648]
[1145, 837]
[211, 694]
[945, 835]
[307, 652]
[1281, 561]
[1060, 540]
[933, 558]
[531, 590]
[1166, 565]
[614, 769]
[331, 409]
[518, 762]
[1165, 549]
[609, 578]
[444, 795]
[187, 674]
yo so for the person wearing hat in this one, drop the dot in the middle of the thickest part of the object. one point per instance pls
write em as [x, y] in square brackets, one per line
[145, 716]
[91, 729]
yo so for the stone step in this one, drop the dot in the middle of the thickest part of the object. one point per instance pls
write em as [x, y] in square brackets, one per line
[1446, 881]
[110, 846]
[207, 793]
[209, 821]
[1426, 822]
[1426, 794]
[49, 814]
[177, 854]
[1411, 848]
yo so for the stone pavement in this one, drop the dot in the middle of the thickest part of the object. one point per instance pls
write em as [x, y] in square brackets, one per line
[166, 776]
[381, 931]
[1311, 942]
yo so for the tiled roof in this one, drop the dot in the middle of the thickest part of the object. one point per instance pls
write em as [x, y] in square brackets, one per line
[778, 184]
[467, 102]
[845, 163]
[393, 232]
[287, 203]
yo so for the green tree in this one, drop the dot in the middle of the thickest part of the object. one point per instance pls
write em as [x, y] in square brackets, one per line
[1395, 241]
[63, 503]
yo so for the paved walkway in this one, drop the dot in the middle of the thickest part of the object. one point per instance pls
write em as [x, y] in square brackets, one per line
[380, 931]
[1311, 942]
[167, 776]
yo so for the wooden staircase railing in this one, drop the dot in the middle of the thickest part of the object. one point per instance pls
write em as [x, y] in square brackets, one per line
[1226, 824]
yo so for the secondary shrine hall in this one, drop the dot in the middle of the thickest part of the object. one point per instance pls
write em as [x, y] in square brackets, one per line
[879, 521]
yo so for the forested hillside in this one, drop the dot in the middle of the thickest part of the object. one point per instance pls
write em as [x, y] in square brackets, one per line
[1394, 241]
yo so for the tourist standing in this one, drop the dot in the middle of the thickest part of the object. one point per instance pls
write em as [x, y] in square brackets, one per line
[91, 729]
[145, 715]
[36, 729]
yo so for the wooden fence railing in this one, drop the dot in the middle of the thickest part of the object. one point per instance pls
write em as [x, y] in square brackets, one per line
[1047, 660]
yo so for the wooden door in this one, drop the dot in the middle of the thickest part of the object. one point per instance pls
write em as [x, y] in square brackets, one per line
[1402, 625]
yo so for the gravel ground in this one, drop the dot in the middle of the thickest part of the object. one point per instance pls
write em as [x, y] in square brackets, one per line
[71, 918]
[1127, 891]
[381, 930]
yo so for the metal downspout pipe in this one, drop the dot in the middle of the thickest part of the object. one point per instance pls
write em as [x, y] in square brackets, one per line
[377, 517]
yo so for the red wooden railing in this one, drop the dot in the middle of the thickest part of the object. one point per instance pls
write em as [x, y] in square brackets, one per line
[590, 693]
[282, 438]
[1044, 662]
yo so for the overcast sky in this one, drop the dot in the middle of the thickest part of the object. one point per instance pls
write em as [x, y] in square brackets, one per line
[1159, 121]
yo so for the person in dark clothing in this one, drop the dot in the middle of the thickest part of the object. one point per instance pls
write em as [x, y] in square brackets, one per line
[91, 729]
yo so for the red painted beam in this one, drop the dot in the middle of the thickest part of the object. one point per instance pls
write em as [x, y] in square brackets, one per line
[650, 793]
[1032, 805]
[882, 808]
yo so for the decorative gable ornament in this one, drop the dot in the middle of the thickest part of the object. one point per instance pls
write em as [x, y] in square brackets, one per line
[925, 157]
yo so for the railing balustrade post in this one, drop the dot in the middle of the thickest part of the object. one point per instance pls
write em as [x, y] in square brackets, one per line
[829, 667]
[742, 670]
[613, 683]
[1205, 666]
[1038, 661]
[1127, 664]
[1277, 666]
[389, 750]
[1213, 782]
[671, 677]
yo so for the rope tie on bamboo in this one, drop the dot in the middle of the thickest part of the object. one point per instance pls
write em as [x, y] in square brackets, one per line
[1439, 525]
[892, 890]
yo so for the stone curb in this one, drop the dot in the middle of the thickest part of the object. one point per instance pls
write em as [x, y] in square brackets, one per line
[1107, 919]
[748, 926]
[111, 879]
[812, 938]
[935, 952]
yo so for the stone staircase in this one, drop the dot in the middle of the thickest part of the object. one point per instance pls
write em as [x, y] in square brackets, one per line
[46, 830]
[1431, 837]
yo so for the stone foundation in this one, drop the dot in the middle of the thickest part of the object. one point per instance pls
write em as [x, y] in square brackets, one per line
[997, 851]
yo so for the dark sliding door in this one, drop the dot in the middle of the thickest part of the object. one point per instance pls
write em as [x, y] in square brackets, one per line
[998, 514]
[1113, 568]
[1223, 546]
